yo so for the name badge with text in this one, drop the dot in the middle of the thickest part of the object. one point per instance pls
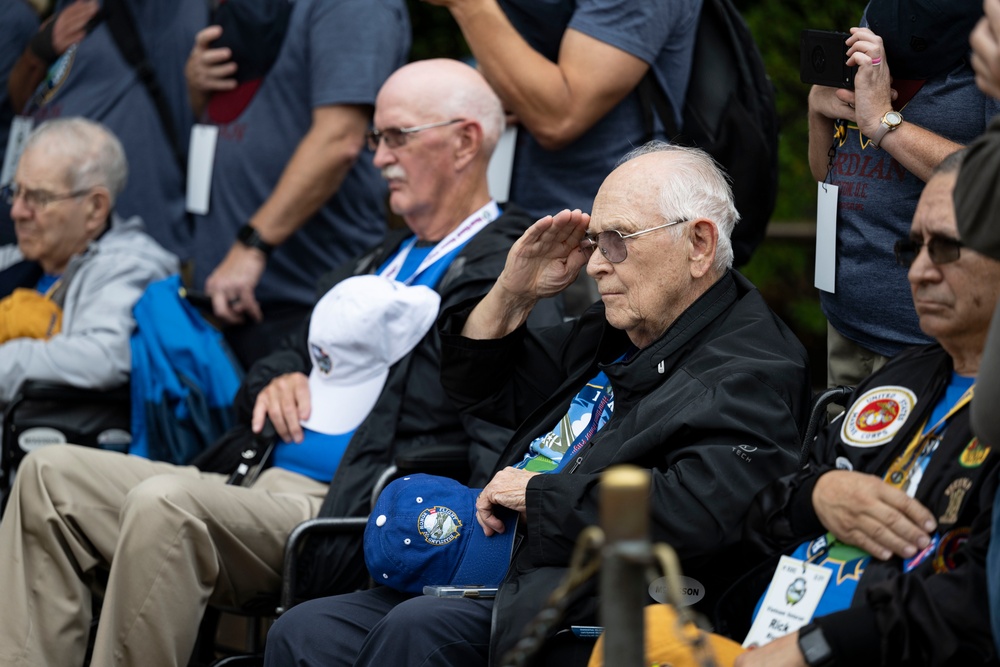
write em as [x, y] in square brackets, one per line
[790, 601]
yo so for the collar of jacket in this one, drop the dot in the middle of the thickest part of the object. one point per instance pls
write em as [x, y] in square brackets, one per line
[652, 364]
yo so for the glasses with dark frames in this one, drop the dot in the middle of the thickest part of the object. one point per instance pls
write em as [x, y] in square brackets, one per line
[611, 243]
[942, 250]
[395, 137]
[36, 199]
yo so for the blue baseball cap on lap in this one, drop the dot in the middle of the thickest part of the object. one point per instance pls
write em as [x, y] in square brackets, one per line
[423, 532]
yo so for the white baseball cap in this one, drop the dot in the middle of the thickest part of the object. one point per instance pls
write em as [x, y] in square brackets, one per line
[358, 330]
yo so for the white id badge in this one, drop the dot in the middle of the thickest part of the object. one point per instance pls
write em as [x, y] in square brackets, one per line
[201, 158]
[20, 128]
[826, 237]
[790, 601]
[502, 165]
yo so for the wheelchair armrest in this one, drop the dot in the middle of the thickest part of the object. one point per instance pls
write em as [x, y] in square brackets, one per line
[298, 537]
[54, 391]
[448, 460]
[817, 418]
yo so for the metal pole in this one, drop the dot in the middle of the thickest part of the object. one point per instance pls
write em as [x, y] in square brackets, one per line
[627, 553]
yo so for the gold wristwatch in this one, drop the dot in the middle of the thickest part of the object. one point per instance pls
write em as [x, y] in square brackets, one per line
[890, 121]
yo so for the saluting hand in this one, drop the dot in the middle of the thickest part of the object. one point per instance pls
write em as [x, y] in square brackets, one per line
[547, 258]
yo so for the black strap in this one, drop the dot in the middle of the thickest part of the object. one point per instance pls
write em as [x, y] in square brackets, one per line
[126, 36]
[652, 98]
[254, 457]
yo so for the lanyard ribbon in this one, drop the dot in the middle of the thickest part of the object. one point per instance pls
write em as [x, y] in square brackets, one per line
[450, 243]
[923, 444]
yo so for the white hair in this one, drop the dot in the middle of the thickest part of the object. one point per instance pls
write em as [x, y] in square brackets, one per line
[694, 187]
[94, 156]
[484, 108]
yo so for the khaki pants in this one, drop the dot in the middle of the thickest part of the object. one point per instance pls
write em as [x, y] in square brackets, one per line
[173, 537]
[847, 363]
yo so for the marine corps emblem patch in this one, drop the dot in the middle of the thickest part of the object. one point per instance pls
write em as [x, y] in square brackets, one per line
[877, 416]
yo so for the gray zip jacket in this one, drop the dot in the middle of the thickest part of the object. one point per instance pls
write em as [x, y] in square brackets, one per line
[97, 293]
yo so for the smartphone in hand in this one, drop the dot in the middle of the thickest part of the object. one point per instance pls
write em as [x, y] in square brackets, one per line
[823, 58]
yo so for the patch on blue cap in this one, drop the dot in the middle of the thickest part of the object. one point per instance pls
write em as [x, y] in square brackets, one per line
[423, 532]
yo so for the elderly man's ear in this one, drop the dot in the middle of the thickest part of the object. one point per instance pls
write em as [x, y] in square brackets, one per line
[703, 237]
[469, 144]
[98, 208]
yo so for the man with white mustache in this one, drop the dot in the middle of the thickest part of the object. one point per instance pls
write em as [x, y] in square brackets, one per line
[175, 539]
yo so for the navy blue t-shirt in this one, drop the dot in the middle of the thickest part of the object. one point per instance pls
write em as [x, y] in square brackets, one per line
[659, 33]
[877, 198]
[336, 52]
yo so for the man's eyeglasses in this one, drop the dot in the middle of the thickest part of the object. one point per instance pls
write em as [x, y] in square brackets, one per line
[36, 199]
[942, 250]
[395, 137]
[611, 243]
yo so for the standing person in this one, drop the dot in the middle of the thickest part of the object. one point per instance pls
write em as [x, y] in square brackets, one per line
[976, 198]
[915, 102]
[294, 193]
[568, 70]
[75, 67]
[18, 22]
[681, 369]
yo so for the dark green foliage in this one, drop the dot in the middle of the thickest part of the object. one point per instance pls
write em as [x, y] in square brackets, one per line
[435, 34]
[776, 27]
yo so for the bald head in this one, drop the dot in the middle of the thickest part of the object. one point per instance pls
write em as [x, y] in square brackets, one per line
[445, 89]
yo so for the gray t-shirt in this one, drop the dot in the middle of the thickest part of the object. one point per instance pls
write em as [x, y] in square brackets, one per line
[878, 196]
[18, 22]
[659, 33]
[93, 80]
[335, 52]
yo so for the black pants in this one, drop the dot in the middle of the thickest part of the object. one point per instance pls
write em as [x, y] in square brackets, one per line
[382, 627]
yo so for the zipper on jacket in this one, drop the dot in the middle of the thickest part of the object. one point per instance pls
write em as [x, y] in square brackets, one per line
[576, 464]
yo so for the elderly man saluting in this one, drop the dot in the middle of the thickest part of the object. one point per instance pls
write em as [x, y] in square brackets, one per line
[69, 284]
[681, 369]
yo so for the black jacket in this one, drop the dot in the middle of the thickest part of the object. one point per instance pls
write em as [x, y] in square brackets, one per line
[713, 408]
[412, 410]
[927, 617]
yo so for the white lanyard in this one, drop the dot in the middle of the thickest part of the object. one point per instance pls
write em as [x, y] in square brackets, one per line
[458, 236]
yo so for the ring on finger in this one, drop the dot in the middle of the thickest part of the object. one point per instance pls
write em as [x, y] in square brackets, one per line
[876, 62]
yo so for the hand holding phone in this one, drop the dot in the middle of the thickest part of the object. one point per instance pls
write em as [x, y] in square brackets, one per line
[823, 59]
